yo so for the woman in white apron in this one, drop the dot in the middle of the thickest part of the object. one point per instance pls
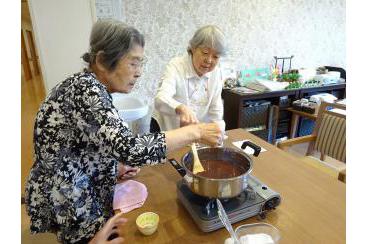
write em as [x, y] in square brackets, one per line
[191, 86]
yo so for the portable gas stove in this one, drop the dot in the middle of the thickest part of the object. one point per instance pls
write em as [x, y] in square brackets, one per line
[256, 199]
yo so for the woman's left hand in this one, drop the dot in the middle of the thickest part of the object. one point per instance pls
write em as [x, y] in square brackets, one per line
[126, 171]
[109, 234]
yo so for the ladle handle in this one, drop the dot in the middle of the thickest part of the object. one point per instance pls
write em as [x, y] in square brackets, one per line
[226, 222]
[195, 153]
[257, 149]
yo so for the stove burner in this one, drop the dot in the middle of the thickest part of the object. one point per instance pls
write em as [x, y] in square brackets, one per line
[210, 205]
[229, 203]
[256, 199]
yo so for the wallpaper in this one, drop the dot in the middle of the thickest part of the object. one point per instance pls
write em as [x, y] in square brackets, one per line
[256, 30]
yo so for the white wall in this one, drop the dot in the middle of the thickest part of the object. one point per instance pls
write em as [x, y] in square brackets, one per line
[61, 32]
[311, 30]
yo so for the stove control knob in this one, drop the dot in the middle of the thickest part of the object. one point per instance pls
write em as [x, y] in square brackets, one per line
[272, 203]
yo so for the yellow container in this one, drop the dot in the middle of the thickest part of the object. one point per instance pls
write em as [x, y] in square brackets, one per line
[147, 223]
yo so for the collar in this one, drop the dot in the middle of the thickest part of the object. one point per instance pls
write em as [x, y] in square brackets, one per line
[91, 73]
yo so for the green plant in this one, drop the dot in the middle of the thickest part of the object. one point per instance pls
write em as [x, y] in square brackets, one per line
[293, 85]
[290, 77]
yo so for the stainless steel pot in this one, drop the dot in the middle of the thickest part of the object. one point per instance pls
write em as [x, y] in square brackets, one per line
[218, 188]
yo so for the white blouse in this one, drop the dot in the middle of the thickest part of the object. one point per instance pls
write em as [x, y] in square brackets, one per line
[180, 84]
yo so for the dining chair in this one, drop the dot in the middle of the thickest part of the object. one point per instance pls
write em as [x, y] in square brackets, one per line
[328, 138]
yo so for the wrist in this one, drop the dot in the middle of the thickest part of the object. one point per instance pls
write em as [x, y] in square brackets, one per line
[197, 132]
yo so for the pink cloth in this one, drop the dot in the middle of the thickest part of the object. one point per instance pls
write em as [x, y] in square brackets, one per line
[129, 195]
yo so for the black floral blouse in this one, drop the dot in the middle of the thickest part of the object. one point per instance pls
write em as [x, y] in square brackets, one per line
[79, 140]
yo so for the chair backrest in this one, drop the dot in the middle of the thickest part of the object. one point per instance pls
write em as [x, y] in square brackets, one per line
[330, 132]
[341, 70]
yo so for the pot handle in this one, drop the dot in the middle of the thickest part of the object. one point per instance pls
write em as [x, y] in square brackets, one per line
[256, 148]
[178, 167]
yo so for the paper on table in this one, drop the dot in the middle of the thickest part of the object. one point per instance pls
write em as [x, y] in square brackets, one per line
[129, 195]
[247, 150]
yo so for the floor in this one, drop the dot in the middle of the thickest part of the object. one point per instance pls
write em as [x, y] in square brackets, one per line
[32, 95]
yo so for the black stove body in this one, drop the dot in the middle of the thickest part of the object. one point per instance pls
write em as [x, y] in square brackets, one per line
[256, 199]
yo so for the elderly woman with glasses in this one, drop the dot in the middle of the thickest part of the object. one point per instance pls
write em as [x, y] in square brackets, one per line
[191, 85]
[79, 140]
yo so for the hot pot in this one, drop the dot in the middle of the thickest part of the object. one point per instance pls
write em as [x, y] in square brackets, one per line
[214, 187]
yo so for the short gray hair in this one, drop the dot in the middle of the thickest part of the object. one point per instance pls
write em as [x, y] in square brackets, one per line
[209, 36]
[114, 38]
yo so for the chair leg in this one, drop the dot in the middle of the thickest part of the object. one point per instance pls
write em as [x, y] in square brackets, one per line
[310, 148]
[342, 176]
[275, 122]
[294, 125]
[323, 157]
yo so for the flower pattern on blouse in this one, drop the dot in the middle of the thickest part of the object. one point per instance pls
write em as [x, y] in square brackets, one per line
[79, 139]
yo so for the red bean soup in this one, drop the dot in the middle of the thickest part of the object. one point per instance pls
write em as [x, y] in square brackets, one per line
[221, 169]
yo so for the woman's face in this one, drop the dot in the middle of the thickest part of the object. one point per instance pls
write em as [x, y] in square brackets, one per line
[127, 71]
[204, 59]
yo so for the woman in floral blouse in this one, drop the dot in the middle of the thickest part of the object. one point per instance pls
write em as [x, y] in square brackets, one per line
[79, 139]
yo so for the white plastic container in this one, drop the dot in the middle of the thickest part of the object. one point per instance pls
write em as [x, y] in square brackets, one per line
[129, 108]
[256, 233]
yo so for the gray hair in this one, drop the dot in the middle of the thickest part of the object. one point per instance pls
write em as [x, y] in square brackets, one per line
[209, 36]
[114, 38]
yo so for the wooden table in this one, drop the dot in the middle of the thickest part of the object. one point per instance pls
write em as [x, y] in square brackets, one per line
[312, 209]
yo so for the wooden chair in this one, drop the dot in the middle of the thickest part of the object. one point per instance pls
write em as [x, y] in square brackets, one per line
[328, 138]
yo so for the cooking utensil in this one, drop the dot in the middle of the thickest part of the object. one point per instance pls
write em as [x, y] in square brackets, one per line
[226, 222]
[197, 166]
[217, 187]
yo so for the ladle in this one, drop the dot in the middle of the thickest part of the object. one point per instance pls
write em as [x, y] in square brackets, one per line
[226, 222]
[197, 166]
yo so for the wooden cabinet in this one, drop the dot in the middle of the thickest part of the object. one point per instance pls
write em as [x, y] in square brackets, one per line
[235, 105]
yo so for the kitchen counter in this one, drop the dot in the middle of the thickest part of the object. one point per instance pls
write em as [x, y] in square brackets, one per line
[312, 208]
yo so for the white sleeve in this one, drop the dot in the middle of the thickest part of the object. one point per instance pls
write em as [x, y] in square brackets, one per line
[164, 101]
[216, 108]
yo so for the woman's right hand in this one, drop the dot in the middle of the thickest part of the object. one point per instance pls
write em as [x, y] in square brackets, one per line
[126, 172]
[186, 115]
[206, 133]
[210, 134]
